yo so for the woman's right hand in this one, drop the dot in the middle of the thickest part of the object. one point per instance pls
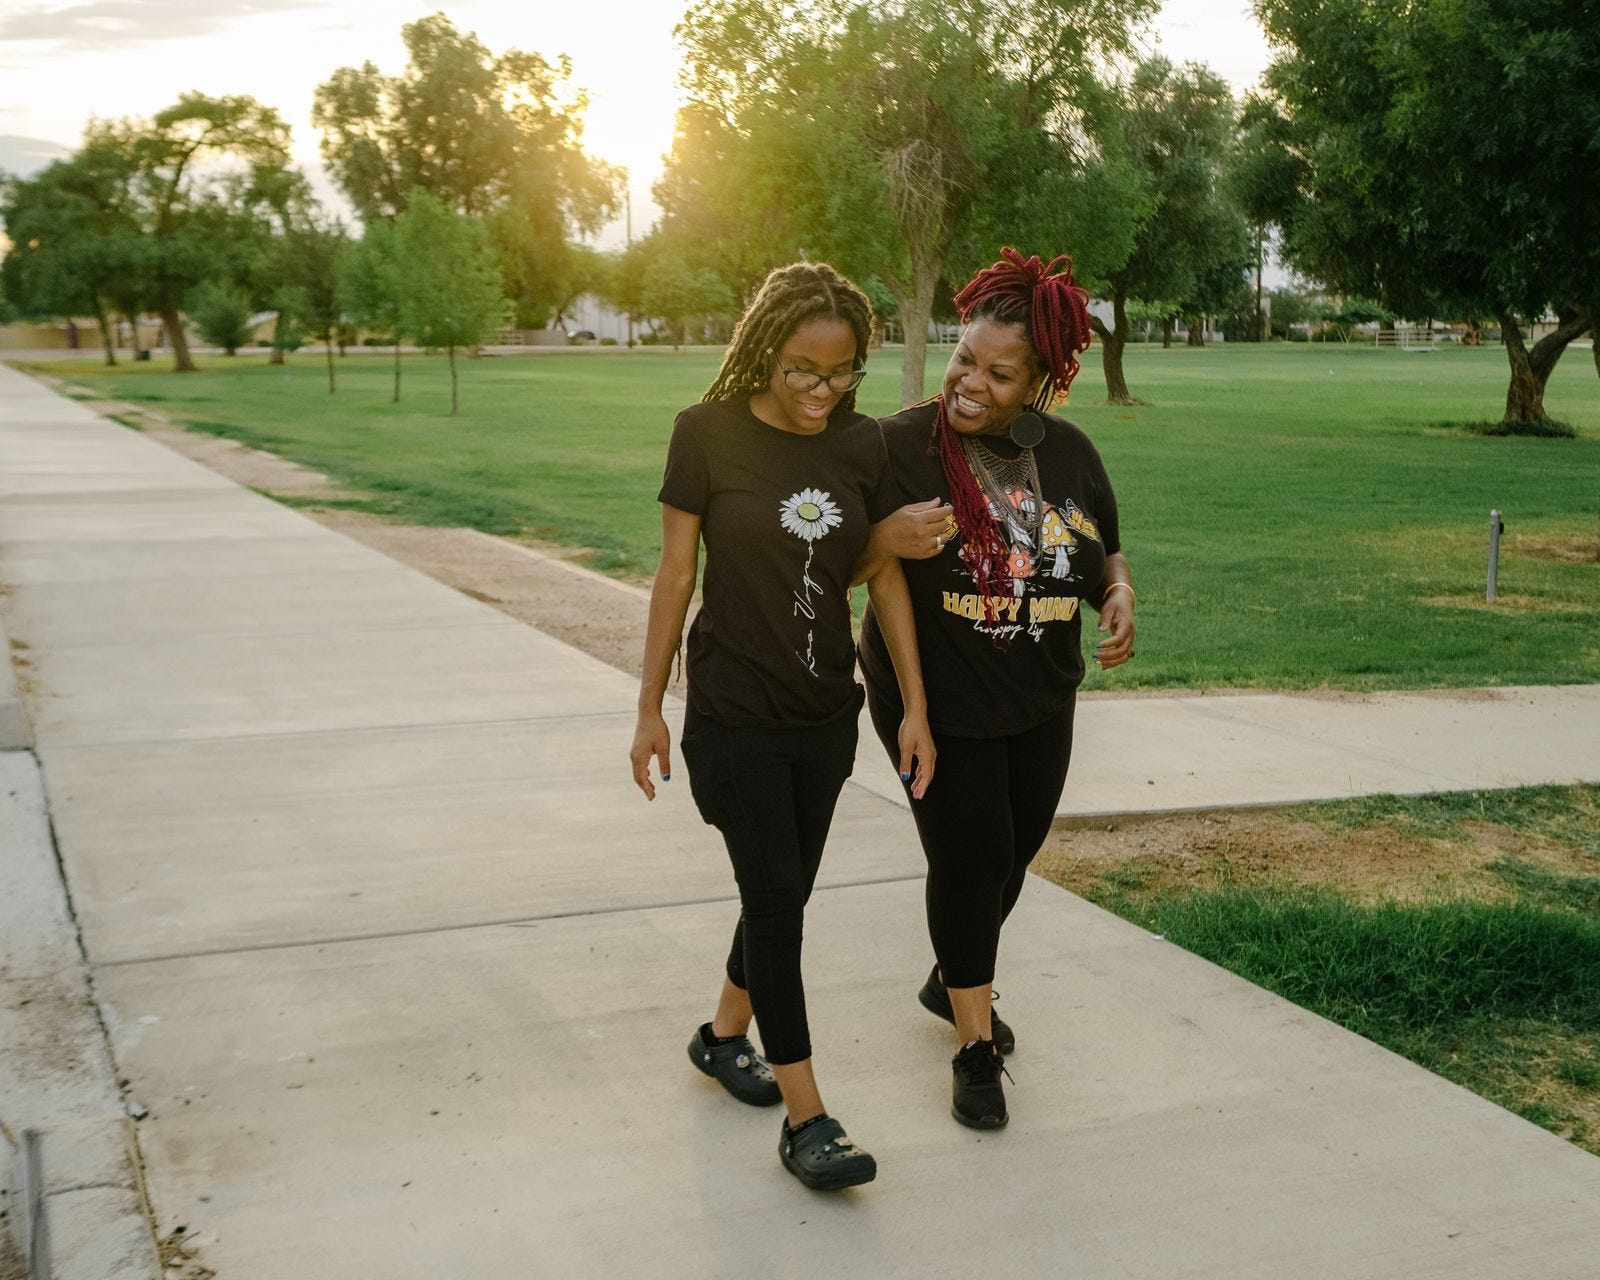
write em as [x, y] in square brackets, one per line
[650, 738]
[914, 532]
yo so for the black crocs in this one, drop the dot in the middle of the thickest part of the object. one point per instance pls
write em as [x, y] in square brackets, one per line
[935, 999]
[823, 1158]
[736, 1066]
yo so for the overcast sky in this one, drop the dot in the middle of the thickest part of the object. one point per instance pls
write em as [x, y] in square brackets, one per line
[63, 61]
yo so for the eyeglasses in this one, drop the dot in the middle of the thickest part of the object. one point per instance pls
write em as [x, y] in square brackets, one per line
[805, 380]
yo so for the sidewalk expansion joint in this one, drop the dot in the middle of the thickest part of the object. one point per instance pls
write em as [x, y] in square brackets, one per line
[156, 640]
[428, 726]
[510, 922]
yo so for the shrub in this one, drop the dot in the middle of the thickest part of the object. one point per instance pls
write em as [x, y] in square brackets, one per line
[221, 315]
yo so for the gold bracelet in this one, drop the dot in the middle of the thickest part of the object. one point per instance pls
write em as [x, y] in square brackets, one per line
[1133, 597]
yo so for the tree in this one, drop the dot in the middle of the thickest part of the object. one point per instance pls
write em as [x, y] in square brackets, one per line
[186, 222]
[372, 285]
[221, 315]
[1171, 129]
[76, 241]
[675, 293]
[1442, 158]
[590, 273]
[497, 137]
[1351, 313]
[1287, 308]
[452, 293]
[902, 139]
[315, 249]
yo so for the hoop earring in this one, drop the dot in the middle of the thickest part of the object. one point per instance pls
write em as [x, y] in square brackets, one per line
[1027, 429]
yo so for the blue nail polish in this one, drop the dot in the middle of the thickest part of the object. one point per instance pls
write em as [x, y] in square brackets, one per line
[905, 777]
[666, 777]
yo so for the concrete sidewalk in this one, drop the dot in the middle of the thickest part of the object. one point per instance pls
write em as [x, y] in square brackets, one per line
[404, 968]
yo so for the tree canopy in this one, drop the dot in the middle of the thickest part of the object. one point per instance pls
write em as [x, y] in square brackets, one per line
[197, 166]
[451, 290]
[77, 246]
[1170, 131]
[1443, 157]
[902, 139]
[494, 136]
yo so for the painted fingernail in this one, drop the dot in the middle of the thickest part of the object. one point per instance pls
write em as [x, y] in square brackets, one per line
[666, 777]
[905, 777]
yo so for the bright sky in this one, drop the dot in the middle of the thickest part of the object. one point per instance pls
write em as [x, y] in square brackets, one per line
[63, 61]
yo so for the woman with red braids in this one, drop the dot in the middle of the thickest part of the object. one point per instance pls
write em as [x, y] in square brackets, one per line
[1020, 532]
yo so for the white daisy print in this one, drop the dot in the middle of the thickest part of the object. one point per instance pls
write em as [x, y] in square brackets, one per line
[809, 514]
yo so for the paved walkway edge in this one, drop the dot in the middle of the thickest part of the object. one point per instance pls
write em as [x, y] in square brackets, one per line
[16, 734]
[56, 1072]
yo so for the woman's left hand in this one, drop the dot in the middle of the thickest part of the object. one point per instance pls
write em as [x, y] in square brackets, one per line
[1116, 616]
[916, 750]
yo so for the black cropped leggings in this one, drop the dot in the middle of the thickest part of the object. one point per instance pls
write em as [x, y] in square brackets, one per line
[986, 813]
[771, 792]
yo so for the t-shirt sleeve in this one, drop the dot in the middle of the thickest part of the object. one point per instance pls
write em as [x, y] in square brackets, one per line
[686, 484]
[1105, 504]
[882, 493]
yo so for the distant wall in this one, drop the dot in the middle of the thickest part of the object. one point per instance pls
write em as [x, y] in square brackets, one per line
[36, 337]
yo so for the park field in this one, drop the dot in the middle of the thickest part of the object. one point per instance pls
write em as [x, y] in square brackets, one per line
[1297, 516]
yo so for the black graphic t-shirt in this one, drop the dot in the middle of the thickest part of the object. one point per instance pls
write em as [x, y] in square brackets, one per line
[977, 689]
[784, 517]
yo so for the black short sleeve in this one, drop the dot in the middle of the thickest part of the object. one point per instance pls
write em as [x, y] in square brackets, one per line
[686, 484]
[1000, 664]
[882, 494]
[1105, 506]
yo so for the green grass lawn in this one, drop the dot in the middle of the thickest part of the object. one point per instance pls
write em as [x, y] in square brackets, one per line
[1297, 516]
[1491, 978]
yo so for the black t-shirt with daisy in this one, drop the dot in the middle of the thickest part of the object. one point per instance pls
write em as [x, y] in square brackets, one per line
[784, 518]
[976, 687]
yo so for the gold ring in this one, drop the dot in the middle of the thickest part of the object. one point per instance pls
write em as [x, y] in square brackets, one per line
[950, 527]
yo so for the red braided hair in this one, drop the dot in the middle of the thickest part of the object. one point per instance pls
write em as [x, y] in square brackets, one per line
[1053, 312]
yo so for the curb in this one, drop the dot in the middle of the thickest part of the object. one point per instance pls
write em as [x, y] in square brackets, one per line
[74, 1195]
[16, 734]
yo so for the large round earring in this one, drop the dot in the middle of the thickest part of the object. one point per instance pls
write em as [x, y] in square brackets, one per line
[1027, 429]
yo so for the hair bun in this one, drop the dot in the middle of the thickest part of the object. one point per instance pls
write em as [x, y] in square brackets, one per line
[1057, 308]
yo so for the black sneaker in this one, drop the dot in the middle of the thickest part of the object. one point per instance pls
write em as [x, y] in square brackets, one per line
[935, 999]
[823, 1158]
[737, 1066]
[978, 1099]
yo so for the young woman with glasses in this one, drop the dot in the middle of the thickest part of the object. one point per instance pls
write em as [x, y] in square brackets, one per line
[781, 479]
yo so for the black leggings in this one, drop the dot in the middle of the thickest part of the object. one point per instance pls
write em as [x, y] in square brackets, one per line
[771, 792]
[987, 812]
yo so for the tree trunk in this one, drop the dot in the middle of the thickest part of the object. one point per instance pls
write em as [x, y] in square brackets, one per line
[182, 361]
[1197, 330]
[1112, 343]
[454, 402]
[1531, 369]
[916, 310]
[329, 345]
[106, 340]
[396, 399]
[1261, 256]
[1166, 332]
